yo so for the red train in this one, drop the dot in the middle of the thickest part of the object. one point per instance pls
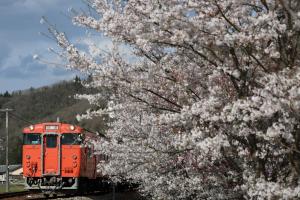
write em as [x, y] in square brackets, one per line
[60, 157]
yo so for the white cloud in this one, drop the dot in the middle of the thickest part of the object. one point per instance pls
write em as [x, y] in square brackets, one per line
[19, 35]
[22, 50]
[100, 44]
[39, 6]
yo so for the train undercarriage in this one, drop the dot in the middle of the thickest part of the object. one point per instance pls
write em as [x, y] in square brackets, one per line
[52, 185]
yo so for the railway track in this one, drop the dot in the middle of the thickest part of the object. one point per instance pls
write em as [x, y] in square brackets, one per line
[14, 194]
[34, 195]
[59, 196]
[107, 195]
[29, 195]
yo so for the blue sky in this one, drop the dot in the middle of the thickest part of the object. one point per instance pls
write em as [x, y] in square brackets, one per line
[20, 40]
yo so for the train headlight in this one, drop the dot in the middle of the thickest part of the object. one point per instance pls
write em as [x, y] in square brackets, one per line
[31, 127]
[72, 127]
[74, 157]
[70, 180]
[28, 157]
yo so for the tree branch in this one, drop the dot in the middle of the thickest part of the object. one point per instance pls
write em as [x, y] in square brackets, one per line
[162, 97]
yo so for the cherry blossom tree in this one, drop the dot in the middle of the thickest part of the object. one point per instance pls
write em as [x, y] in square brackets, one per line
[209, 109]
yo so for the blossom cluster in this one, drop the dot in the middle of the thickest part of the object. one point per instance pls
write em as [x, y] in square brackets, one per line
[210, 109]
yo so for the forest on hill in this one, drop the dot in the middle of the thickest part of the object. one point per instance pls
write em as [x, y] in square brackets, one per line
[41, 105]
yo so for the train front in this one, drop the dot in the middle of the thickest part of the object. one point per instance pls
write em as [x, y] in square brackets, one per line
[51, 156]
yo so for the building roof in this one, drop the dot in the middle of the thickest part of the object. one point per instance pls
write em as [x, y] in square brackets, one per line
[17, 172]
[11, 168]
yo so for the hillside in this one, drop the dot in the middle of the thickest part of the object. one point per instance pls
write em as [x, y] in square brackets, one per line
[40, 105]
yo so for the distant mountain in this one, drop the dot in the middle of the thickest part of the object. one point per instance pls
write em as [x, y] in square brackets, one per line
[41, 105]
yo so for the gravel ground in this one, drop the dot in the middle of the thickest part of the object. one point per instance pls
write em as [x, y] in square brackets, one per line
[109, 196]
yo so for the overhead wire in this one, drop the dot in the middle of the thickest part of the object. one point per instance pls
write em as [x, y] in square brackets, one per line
[16, 116]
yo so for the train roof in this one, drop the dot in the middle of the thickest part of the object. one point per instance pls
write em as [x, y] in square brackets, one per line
[59, 127]
[53, 127]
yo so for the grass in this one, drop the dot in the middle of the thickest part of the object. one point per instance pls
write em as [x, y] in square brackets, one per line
[12, 188]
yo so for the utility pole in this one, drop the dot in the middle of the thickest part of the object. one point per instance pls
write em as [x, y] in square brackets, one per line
[7, 110]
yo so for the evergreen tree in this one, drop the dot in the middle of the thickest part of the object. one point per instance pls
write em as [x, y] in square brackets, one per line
[6, 94]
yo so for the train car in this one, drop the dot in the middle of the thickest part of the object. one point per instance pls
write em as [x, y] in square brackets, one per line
[60, 157]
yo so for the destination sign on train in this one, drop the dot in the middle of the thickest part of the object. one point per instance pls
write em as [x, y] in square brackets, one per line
[51, 127]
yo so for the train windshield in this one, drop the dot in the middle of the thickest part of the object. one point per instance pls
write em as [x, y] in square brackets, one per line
[51, 141]
[71, 139]
[32, 139]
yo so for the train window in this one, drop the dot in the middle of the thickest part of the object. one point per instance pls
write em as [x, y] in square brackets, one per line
[71, 139]
[31, 139]
[51, 141]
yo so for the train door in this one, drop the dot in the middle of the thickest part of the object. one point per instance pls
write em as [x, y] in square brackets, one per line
[51, 154]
